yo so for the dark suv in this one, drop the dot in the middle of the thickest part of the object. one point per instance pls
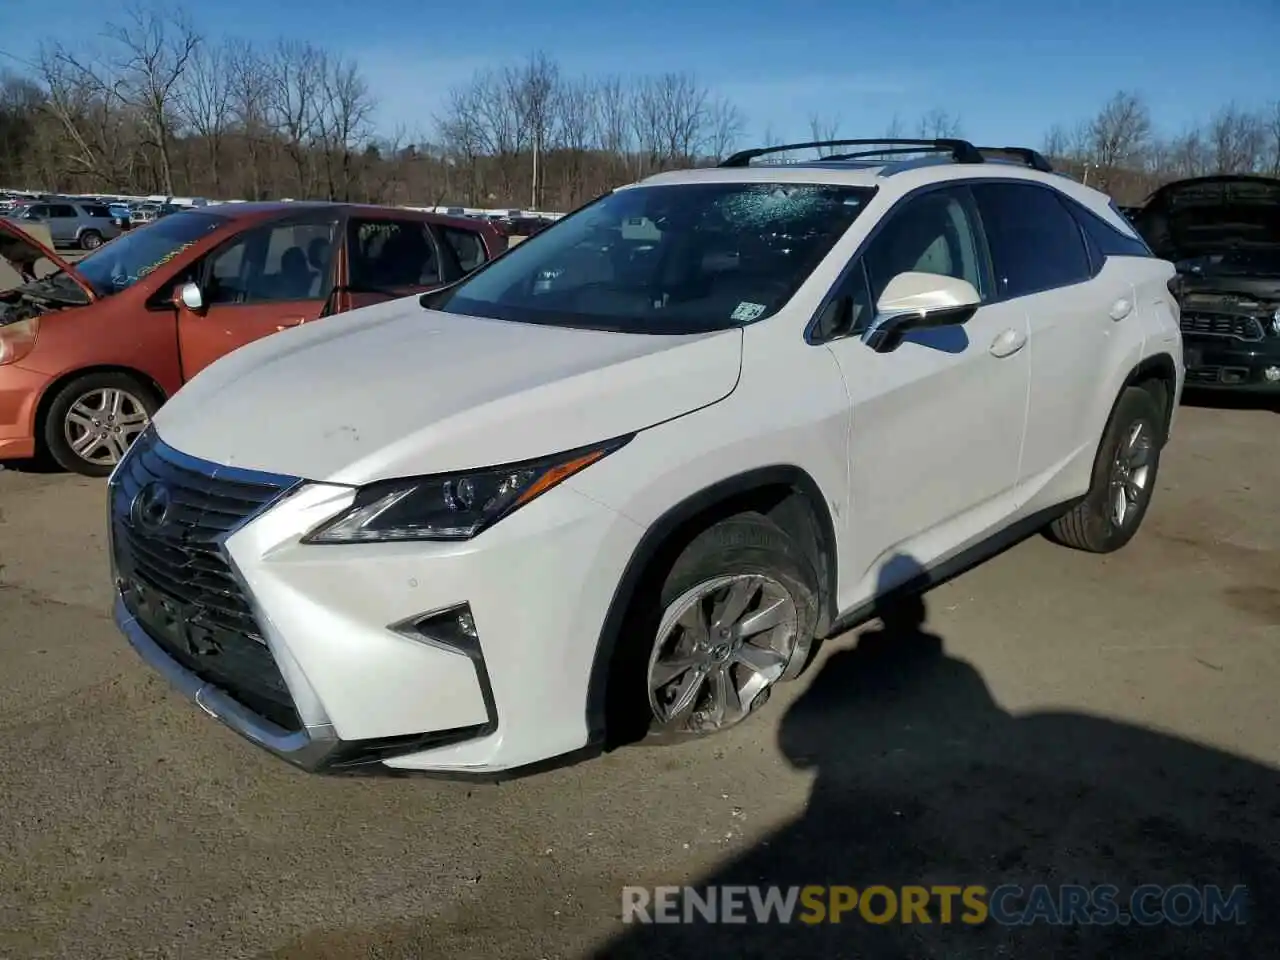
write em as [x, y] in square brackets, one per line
[1223, 233]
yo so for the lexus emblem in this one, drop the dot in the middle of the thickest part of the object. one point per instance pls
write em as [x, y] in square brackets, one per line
[150, 508]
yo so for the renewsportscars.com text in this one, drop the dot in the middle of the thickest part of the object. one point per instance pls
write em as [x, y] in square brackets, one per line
[1008, 904]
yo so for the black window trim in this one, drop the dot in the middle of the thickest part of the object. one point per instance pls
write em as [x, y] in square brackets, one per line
[200, 268]
[986, 265]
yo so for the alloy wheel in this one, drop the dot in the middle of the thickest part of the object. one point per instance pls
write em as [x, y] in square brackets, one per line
[721, 647]
[1131, 472]
[102, 424]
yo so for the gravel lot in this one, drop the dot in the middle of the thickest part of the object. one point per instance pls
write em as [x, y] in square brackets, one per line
[1060, 717]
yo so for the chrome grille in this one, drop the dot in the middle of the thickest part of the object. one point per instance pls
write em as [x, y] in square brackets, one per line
[1213, 324]
[175, 578]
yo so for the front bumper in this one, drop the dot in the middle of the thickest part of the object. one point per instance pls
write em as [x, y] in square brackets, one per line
[363, 692]
[20, 391]
[1220, 363]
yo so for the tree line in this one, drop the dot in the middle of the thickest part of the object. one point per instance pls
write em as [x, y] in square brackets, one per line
[157, 107]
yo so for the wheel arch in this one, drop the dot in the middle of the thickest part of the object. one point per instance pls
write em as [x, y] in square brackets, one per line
[786, 494]
[55, 387]
[1159, 368]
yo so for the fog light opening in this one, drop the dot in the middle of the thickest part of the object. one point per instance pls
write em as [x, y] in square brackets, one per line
[1272, 374]
[453, 628]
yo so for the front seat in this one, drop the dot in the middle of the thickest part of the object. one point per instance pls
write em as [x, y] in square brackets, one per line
[295, 279]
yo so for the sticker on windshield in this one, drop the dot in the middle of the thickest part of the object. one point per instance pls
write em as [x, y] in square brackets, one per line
[747, 311]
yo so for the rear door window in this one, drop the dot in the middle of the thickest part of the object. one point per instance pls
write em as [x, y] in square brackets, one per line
[63, 210]
[392, 254]
[1035, 242]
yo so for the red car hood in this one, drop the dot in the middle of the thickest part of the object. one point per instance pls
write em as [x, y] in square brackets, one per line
[21, 251]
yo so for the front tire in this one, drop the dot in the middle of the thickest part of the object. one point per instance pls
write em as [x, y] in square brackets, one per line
[1124, 478]
[94, 419]
[735, 615]
[90, 240]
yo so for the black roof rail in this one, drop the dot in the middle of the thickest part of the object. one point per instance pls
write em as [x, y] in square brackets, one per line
[962, 151]
[1032, 158]
[872, 154]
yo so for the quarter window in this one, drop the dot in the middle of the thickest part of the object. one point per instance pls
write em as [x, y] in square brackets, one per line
[1035, 242]
[1106, 239]
[467, 247]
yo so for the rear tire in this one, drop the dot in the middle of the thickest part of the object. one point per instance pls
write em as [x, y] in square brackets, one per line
[94, 419]
[734, 615]
[1124, 478]
[90, 240]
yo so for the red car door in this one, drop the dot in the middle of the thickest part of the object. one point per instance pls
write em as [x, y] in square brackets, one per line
[266, 279]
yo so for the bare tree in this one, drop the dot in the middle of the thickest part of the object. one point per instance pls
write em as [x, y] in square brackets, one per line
[938, 124]
[249, 93]
[613, 127]
[894, 131]
[576, 116]
[725, 126]
[824, 128]
[671, 117]
[205, 100]
[532, 90]
[1120, 131]
[342, 122]
[462, 139]
[1237, 139]
[294, 90]
[1056, 142]
[87, 107]
[155, 51]
[1271, 123]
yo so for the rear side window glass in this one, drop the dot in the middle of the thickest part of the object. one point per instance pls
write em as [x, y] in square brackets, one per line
[1108, 241]
[1035, 242]
[63, 210]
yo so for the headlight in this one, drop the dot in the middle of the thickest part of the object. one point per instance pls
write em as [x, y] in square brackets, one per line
[18, 339]
[454, 506]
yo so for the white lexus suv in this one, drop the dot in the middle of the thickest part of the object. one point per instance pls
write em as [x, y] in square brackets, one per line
[614, 484]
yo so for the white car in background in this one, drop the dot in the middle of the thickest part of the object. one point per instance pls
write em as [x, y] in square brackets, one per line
[617, 482]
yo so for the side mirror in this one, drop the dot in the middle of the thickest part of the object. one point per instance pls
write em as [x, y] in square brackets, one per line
[189, 296]
[920, 301]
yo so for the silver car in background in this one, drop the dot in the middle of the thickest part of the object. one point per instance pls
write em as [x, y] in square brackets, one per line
[73, 223]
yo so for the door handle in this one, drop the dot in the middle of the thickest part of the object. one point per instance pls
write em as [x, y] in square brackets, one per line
[1008, 343]
[1121, 308]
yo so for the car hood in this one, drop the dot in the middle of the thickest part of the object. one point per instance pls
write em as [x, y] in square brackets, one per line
[19, 250]
[397, 390]
[1209, 215]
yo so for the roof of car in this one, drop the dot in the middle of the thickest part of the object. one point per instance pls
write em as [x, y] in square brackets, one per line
[895, 178]
[263, 209]
[908, 174]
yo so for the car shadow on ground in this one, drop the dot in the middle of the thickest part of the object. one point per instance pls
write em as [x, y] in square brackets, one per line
[34, 465]
[1227, 400]
[923, 779]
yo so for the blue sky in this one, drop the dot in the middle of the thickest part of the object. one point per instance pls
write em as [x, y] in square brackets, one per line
[1008, 69]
